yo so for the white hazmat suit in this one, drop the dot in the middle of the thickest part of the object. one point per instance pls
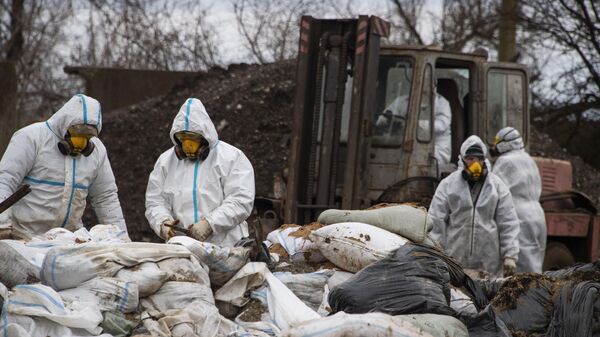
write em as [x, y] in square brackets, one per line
[442, 122]
[479, 233]
[59, 183]
[520, 173]
[219, 188]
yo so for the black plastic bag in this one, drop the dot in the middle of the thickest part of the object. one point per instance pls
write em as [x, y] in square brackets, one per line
[485, 324]
[412, 281]
[578, 268]
[574, 310]
[524, 303]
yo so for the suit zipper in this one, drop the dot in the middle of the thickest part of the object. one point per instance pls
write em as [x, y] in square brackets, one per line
[472, 230]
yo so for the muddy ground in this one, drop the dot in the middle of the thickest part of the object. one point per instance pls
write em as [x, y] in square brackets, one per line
[251, 106]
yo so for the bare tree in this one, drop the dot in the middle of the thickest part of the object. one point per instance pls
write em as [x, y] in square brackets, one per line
[31, 34]
[570, 28]
[270, 27]
[165, 35]
[409, 13]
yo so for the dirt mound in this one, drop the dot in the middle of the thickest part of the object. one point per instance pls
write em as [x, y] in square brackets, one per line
[251, 106]
[585, 177]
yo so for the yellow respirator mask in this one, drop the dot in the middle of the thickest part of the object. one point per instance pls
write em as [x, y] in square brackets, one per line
[77, 140]
[476, 170]
[191, 145]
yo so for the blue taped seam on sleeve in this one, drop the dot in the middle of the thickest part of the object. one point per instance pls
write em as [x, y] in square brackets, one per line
[195, 192]
[43, 293]
[81, 186]
[72, 194]
[43, 181]
[84, 108]
[99, 125]
[187, 114]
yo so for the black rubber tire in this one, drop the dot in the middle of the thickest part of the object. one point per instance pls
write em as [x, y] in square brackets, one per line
[557, 256]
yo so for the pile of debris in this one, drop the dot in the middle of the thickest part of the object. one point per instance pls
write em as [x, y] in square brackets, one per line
[380, 277]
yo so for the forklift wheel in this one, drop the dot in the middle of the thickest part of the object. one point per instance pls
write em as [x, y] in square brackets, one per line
[557, 256]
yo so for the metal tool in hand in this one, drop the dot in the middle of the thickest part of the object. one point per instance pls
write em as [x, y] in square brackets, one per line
[18, 195]
[177, 228]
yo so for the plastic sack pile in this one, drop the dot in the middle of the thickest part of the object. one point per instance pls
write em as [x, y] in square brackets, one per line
[352, 273]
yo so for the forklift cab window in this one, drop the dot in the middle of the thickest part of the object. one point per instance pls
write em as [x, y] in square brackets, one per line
[392, 98]
[505, 102]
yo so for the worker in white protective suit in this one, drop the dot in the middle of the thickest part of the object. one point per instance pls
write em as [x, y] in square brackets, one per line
[64, 162]
[201, 184]
[520, 173]
[473, 214]
[395, 113]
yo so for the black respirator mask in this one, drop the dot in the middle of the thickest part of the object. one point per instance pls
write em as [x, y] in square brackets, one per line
[78, 140]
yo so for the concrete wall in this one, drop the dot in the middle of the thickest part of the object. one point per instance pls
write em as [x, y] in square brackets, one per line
[9, 117]
[117, 87]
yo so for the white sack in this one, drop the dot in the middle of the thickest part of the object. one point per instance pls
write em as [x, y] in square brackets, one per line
[109, 233]
[461, 302]
[198, 318]
[148, 277]
[15, 267]
[26, 326]
[177, 295]
[222, 262]
[285, 309]
[298, 248]
[107, 293]
[69, 266]
[41, 301]
[353, 245]
[184, 270]
[410, 221]
[339, 276]
[252, 275]
[380, 325]
[308, 287]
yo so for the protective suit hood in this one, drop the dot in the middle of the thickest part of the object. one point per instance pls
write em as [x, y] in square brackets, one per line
[192, 116]
[472, 140]
[510, 139]
[80, 109]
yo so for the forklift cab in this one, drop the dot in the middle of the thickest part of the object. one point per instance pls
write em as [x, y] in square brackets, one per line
[436, 99]
[365, 115]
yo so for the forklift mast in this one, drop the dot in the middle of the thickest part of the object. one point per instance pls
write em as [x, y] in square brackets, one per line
[330, 53]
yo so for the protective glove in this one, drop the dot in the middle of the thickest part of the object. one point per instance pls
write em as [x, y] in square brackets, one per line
[201, 230]
[509, 266]
[167, 229]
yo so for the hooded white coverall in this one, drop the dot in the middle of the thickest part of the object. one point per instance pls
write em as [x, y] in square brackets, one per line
[442, 123]
[520, 173]
[219, 189]
[478, 233]
[59, 183]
